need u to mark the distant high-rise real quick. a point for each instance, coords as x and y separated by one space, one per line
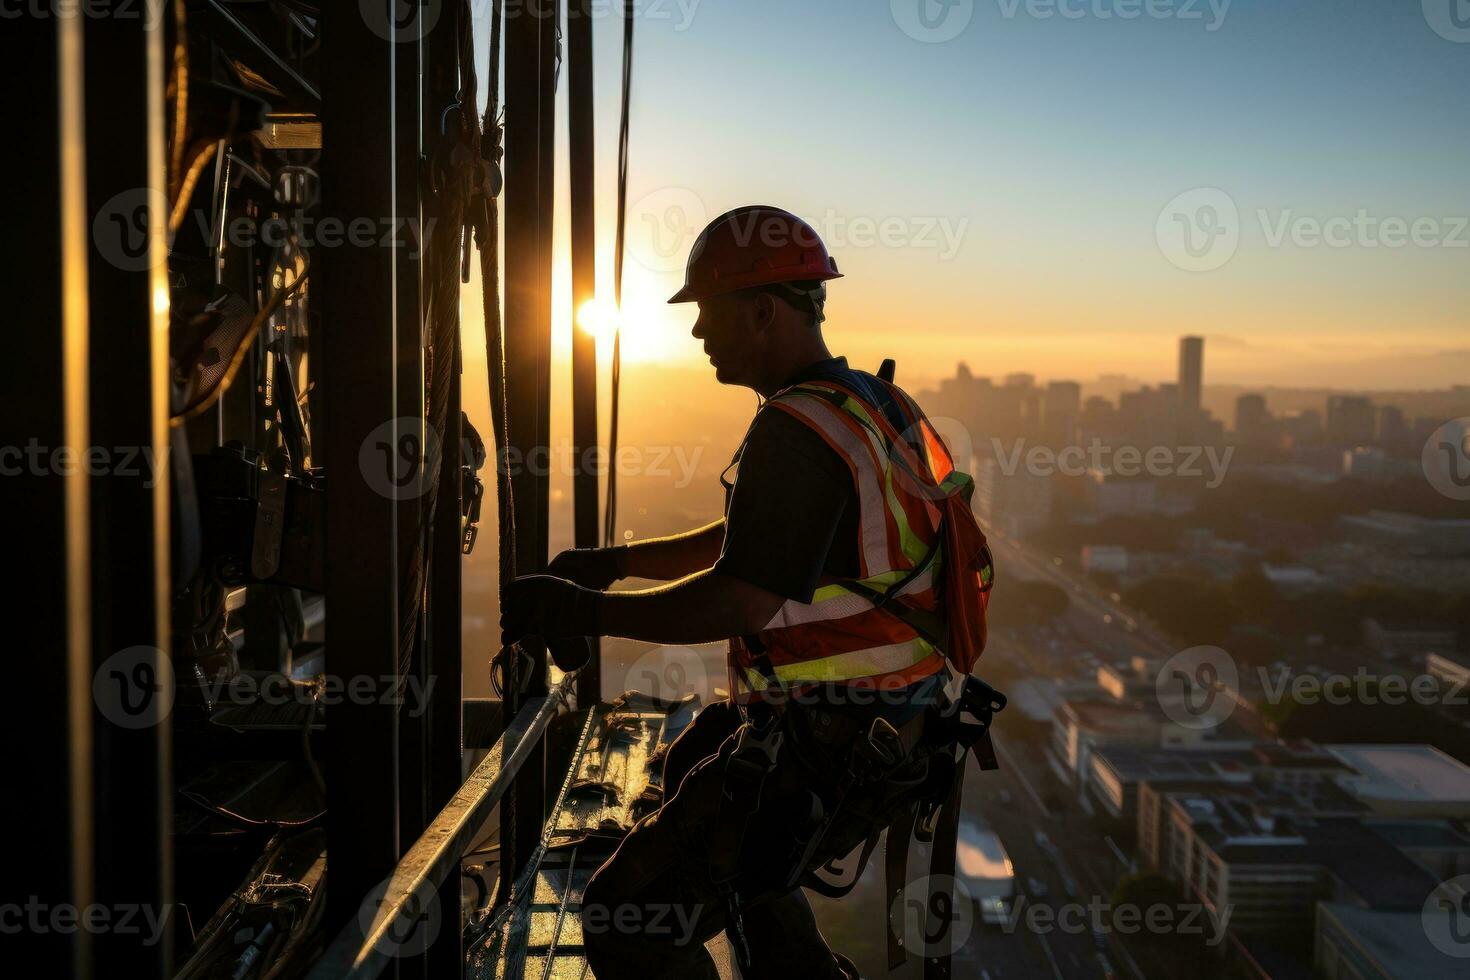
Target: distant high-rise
1191 373
1253 422
1393 430
1350 420
1020 380
1060 407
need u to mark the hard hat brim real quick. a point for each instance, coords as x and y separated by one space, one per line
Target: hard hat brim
692 294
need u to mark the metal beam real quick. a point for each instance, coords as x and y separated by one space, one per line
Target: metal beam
130 531
234 36
581 132
359 952
364 451
43 384
530 119
443 666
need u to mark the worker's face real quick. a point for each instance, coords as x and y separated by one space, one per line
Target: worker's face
735 332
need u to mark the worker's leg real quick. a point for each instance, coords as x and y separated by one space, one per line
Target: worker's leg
785 941
649 910
703 738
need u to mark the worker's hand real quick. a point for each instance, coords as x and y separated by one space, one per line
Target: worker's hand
591 568
549 607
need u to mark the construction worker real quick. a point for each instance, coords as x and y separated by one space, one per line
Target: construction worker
843 515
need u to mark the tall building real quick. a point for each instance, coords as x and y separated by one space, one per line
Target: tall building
1061 408
1191 373
1253 422
1393 430
1016 502
1351 420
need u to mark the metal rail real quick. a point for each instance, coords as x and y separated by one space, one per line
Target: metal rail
361 953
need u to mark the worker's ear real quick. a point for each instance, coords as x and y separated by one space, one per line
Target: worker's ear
765 310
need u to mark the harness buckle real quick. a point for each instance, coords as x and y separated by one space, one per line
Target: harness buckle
753 757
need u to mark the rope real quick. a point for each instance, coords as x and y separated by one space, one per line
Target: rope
609 518
488 238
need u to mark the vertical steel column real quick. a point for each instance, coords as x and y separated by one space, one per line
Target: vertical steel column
131 578
414 812
581 131
357 284
530 65
442 668
43 382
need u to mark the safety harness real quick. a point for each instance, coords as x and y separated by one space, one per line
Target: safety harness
922 787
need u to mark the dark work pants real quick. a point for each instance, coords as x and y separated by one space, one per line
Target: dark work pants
649 910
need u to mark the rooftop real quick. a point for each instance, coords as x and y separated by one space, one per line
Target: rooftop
1406 774
1394 941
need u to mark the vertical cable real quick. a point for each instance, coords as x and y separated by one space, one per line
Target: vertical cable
609 520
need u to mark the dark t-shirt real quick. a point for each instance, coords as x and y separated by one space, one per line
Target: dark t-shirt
793 512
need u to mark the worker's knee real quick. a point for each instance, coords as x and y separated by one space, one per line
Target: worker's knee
598 902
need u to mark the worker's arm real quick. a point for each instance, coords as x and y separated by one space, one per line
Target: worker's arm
661 559
703 607
673 557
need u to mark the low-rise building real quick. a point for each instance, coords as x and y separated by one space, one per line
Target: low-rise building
1406 780
1406 639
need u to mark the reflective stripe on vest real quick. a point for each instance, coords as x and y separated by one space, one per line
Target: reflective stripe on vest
841 636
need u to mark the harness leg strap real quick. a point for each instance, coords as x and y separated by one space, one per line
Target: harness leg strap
942 863
895 876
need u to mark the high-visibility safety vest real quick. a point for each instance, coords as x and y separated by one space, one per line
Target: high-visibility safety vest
925 567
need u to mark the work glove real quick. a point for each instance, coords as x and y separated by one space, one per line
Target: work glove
591 568
549 607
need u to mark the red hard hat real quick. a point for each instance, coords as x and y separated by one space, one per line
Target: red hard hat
754 246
